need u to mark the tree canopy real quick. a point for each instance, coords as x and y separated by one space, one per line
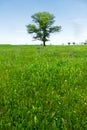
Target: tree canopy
43 26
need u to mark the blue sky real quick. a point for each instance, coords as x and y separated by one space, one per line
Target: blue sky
16 14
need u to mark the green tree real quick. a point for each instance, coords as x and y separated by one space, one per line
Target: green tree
73 43
85 43
43 26
69 43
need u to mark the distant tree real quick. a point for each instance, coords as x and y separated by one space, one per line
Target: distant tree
43 26
73 43
69 43
85 43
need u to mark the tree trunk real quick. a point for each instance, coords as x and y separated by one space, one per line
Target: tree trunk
44 43
44 36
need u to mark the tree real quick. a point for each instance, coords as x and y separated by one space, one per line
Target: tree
69 43
73 43
43 26
85 43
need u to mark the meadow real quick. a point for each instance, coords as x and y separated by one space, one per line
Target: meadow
43 88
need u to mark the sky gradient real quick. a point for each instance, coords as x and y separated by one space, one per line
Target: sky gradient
16 14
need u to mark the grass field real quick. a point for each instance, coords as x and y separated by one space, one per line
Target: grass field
43 88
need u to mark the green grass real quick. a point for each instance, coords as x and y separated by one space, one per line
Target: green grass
43 88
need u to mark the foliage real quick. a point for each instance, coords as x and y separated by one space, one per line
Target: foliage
69 43
73 43
43 27
43 88
85 43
